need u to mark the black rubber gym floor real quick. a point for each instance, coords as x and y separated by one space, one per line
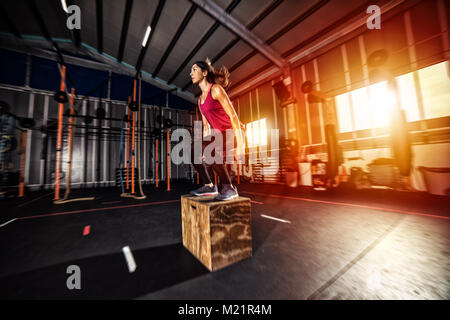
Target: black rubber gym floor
372 244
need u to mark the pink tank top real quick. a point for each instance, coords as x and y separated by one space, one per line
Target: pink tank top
215 114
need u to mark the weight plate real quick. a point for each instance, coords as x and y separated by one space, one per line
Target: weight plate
307 86
60 97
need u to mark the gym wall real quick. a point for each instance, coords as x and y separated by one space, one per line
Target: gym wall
27 84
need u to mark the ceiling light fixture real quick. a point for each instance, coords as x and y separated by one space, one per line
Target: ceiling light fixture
147 33
64 5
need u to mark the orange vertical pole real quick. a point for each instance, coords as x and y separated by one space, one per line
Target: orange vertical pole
128 146
23 146
133 143
59 136
69 163
196 118
156 163
168 160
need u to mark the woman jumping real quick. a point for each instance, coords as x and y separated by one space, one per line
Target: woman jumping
218 113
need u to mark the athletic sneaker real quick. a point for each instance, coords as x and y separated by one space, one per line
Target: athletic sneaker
205 191
228 192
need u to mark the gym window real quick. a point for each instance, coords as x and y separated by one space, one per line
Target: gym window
369 107
435 85
364 108
408 96
257 133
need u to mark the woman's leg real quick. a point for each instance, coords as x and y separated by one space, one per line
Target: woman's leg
200 166
206 188
222 171
228 191
203 173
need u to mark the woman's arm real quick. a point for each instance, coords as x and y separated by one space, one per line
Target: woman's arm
218 93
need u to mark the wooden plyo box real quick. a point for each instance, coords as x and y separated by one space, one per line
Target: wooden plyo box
218 233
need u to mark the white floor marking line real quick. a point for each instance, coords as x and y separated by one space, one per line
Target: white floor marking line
130 260
8 222
269 217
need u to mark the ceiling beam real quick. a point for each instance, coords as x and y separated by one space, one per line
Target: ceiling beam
153 24
283 31
229 22
205 38
99 14
250 26
125 24
180 30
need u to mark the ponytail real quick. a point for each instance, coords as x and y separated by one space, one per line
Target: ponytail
221 77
